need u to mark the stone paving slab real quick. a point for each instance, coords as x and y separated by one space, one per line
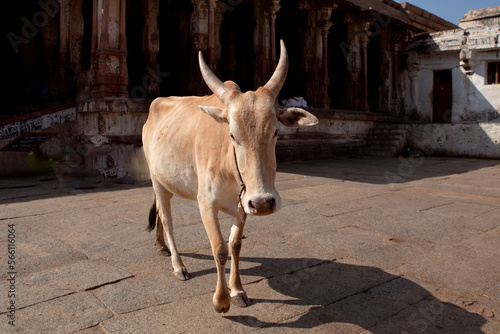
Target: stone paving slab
64 280
361 245
459 265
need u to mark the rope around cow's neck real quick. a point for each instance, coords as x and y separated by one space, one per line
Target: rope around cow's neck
241 210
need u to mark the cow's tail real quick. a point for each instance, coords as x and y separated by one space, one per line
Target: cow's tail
152 215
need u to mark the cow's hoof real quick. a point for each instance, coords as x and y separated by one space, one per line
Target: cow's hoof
163 251
241 299
223 305
181 274
221 310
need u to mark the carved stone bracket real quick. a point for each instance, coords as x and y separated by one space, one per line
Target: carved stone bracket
466 55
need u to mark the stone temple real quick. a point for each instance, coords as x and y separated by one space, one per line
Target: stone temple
385 78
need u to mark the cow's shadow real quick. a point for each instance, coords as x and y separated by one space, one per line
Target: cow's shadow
337 292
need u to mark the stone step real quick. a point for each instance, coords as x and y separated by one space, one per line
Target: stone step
385 141
307 150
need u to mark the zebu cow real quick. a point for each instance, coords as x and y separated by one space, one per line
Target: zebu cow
220 151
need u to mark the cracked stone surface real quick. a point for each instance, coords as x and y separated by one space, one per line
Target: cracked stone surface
347 253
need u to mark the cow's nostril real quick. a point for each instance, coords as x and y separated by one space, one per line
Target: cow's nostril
272 204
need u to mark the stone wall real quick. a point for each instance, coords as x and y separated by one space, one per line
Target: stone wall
480 140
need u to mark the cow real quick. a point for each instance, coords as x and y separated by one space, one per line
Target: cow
220 151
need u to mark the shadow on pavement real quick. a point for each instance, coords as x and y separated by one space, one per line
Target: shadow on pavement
386 170
342 293
26 189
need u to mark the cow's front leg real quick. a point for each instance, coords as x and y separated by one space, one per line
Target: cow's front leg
238 295
221 298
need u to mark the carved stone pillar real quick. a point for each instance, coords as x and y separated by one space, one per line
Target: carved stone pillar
275 7
212 4
265 40
199 42
354 70
363 101
413 64
109 49
316 56
395 106
357 64
152 45
64 44
325 79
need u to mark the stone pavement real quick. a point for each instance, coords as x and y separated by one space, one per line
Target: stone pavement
361 245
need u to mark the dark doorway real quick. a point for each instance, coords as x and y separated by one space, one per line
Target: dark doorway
442 97
493 73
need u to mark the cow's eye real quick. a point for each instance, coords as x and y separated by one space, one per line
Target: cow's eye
275 133
232 137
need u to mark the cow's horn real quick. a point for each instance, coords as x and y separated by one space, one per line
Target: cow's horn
278 79
215 85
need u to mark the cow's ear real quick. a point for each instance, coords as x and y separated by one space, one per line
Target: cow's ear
296 117
219 114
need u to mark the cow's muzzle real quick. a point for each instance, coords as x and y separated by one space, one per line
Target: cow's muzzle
261 206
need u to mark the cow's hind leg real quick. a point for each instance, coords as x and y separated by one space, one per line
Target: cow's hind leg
238 295
154 221
161 246
163 197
